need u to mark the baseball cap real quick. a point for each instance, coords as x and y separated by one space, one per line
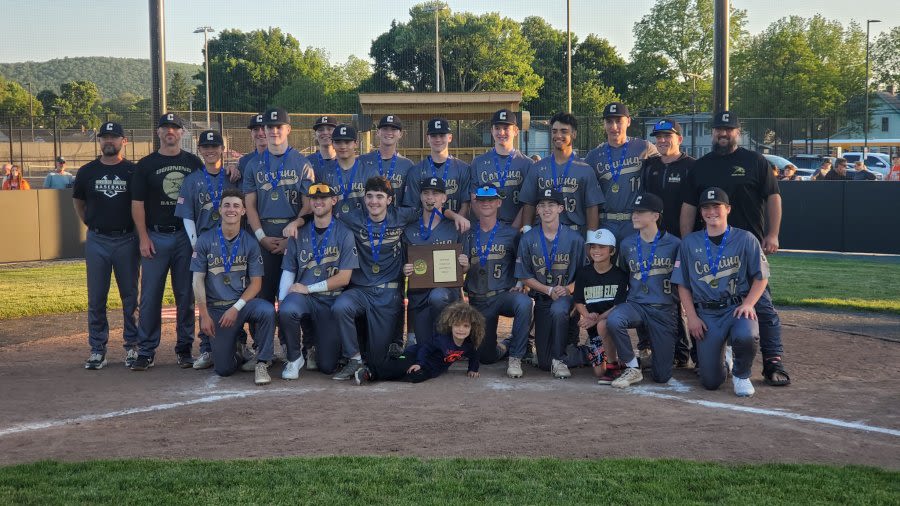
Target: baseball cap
714 195
255 121
324 121
276 116
614 109
487 192
503 117
551 195
390 120
210 138
726 119
438 126
170 118
111 128
433 183
320 190
602 236
60 160
343 132
648 202
666 126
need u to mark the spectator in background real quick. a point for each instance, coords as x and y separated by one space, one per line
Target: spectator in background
7 167
15 181
822 171
790 173
862 173
838 173
894 174
775 171
59 178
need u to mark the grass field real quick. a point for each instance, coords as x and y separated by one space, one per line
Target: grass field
852 284
371 480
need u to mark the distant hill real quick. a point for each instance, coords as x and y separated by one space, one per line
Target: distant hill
112 75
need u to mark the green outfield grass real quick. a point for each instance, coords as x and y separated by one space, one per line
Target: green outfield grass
394 481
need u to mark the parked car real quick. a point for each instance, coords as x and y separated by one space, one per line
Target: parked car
806 161
879 163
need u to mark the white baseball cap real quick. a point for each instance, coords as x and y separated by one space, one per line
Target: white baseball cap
601 236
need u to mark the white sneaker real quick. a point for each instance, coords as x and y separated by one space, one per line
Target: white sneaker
95 361
204 361
130 356
559 369
743 387
514 367
311 364
631 376
262 374
729 360
291 369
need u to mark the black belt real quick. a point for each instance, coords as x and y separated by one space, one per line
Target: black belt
111 232
721 304
166 229
484 296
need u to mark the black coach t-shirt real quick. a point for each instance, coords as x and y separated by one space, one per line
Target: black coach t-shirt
600 292
106 192
665 180
746 178
157 182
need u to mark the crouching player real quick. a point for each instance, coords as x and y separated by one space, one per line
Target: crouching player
228 269
721 274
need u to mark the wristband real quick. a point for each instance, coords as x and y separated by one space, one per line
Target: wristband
239 304
526 228
321 286
519 284
550 291
260 235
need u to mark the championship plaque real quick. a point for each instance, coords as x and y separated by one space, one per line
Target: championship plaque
435 265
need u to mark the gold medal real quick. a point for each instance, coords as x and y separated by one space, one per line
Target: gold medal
317 271
549 279
615 188
227 280
645 289
714 283
376 269
274 195
215 215
345 208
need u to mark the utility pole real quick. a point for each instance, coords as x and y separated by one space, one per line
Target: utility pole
205 30
866 117
720 55
157 64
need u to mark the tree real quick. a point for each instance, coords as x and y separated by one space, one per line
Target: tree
885 53
596 59
78 102
335 91
549 45
47 98
180 91
16 101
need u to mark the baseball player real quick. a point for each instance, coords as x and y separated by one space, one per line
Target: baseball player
164 245
258 138
386 160
617 163
347 175
504 167
721 273
325 154
648 257
566 174
491 285
549 256
228 268
439 163
431 228
316 268
102 200
756 206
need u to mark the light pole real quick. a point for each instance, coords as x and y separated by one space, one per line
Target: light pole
30 110
866 118
569 54
205 30
436 9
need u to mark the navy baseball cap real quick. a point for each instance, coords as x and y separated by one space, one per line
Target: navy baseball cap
111 128
726 119
714 195
391 120
551 195
210 138
615 109
343 132
170 118
324 121
433 183
60 159
666 126
255 121
438 126
487 192
648 202
276 116
503 117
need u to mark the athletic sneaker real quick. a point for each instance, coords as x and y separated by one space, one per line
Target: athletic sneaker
514 367
185 360
349 370
631 376
249 365
362 375
96 361
311 364
204 361
729 360
291 369
262 374
559 369
743 387
130 356
611 373
142 363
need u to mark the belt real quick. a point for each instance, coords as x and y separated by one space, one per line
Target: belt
387 285
111 232
721 304
487 295
166 229
276 221
222 303
616 216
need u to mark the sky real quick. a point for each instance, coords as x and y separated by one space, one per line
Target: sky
48 29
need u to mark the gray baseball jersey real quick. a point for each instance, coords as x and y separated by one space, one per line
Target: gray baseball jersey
196 201
396 169
742 261
499 270
210 258
619 172
384 238
569 256
658 287
348 184
337 251
455 173
442 233
578 186
508 173
296 176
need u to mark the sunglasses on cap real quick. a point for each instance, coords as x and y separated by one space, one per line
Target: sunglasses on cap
320 189
664 125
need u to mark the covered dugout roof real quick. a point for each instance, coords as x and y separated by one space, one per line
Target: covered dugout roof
454 106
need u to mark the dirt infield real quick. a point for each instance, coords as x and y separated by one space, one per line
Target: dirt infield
841 409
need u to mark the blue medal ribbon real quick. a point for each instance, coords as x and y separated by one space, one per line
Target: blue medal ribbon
319 248
425 232
548 260
215 197
613 170
434 168
345 191
643 264
376 249
390 173
556 184
714 264
228 261
504 174
268 173
485 251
